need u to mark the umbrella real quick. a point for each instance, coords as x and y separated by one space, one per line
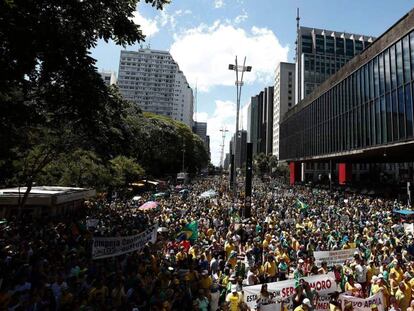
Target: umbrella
160 194
208 194
184 191
148 205
162 229
136 198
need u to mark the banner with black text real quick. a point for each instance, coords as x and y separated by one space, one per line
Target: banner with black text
103 247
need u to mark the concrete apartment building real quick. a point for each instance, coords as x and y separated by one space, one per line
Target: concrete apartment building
109 77
283 98
154 81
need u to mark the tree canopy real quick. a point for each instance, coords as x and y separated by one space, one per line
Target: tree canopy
55 106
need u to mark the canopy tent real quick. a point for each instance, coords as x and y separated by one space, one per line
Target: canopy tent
404 212
148 205
208 194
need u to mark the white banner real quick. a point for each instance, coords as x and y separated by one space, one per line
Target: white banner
91 223
334 257
324 284
409 228
361 304
115 246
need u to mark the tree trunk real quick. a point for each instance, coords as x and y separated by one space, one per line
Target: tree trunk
23 201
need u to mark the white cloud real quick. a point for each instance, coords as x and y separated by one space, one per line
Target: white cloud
201 116
218 4
149 27
224 116
170 19
241 18
204 52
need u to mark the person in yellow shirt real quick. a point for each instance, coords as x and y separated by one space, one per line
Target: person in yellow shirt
305 306
408 287
270 269
181 257
350 285
402 299
228 248
205 281
234 299
398 271
266 241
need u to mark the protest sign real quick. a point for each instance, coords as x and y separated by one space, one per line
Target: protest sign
323 284
409 228
103 247
363 304
91 223
333 257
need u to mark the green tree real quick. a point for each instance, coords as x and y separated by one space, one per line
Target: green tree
49 81
264 164
124 171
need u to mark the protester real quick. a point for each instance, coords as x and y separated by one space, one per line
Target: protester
206 256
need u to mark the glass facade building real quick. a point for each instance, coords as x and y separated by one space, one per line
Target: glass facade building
368 103
321 53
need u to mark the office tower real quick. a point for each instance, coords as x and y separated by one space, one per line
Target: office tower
283 98
320 53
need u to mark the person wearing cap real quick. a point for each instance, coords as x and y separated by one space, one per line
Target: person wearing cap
305 306
234 299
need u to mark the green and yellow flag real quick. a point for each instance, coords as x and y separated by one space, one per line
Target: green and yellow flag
190 231
302 206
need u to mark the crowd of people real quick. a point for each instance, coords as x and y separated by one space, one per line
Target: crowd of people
46 264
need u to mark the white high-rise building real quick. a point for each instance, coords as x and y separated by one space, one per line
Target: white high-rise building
109 77
154 81
283 98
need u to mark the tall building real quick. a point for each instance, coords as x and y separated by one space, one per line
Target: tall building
109 77
260 121
268 119
361 114
200 128
320 53
241 140
153 80
283 98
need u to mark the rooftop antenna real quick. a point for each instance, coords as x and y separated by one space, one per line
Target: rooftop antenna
149 45
223 131
297 33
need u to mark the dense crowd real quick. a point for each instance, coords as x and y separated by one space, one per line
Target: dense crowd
46 263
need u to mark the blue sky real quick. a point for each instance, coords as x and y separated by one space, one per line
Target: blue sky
204 36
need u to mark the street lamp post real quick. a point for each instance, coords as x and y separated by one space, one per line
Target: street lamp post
239 83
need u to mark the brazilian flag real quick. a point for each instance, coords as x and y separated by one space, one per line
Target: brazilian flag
302 206
190 231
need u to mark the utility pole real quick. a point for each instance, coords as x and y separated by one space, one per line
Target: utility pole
239 83
223 131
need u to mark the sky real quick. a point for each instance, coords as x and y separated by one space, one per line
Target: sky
204 36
